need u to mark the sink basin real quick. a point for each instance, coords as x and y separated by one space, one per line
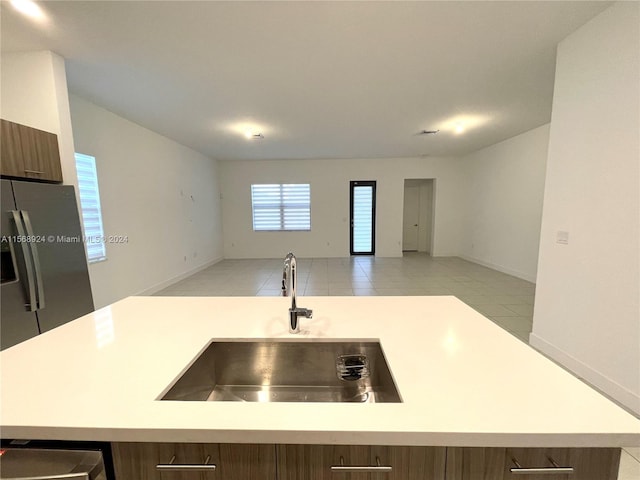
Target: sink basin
288 371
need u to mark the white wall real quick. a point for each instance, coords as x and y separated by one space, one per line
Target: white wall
505 188
28 90
329 179
587 310
162 195
34 93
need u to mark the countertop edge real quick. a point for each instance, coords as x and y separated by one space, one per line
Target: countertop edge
437 439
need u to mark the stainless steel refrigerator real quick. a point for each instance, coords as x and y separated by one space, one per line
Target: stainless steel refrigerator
45 280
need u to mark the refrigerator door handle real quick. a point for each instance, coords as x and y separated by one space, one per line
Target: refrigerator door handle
36 259
32 305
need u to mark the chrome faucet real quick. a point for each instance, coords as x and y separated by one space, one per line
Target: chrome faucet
289 285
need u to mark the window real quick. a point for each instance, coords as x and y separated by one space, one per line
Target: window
90 205
281 207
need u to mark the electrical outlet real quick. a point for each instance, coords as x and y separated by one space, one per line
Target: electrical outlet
562 237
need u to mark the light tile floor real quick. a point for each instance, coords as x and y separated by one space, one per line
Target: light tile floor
506 300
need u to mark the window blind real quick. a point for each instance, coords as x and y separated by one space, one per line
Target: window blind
281 206
90 205
362 218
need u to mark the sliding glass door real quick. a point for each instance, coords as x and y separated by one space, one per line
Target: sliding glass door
363 217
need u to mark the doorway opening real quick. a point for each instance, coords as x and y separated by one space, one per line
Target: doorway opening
417 215
362 212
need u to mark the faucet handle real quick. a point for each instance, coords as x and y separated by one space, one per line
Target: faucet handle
302 312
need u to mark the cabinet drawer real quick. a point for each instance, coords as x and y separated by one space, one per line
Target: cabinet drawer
586 463
357 462
193 461
532 463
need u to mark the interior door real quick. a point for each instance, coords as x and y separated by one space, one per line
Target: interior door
362 239
411 219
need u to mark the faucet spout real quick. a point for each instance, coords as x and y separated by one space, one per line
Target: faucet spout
289 287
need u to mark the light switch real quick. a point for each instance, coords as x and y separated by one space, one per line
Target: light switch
562 237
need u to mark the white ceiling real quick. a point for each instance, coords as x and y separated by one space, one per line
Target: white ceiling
321 79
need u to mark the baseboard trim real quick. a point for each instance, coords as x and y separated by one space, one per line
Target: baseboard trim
162 285
609 388
500 268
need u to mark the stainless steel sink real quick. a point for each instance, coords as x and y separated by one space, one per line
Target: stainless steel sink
288 371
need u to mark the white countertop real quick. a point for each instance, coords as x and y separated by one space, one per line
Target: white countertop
464 381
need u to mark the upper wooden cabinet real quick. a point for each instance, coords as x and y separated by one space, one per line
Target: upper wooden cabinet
29 153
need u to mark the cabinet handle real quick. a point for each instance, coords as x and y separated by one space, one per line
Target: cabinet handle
34 171
555 470
186 467
361 468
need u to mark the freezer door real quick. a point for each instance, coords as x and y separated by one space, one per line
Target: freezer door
63 273
17 323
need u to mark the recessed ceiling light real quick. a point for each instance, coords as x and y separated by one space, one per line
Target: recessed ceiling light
463 123
249 135
28 8
248 129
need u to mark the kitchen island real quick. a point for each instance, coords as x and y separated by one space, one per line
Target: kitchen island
463 381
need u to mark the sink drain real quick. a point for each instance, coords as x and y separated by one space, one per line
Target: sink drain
352 367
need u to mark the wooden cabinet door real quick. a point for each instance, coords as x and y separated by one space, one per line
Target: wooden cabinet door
587 463
139 461
314 462
41 154
11 159
410 463
475 463
497 463
29 153
246 462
